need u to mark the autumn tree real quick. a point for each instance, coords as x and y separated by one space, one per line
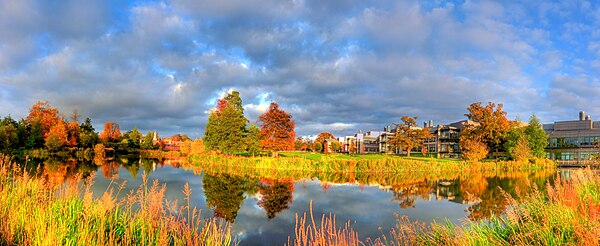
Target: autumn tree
226 126
489 127
473 149
111 133
56 138
45 115
73 132
324 135
408 135
277 129
336 146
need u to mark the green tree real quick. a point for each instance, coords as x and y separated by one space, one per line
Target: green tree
133 138
35 139
537 137
253 140
318 147
87 134
8 136
516 145
148 142
226 126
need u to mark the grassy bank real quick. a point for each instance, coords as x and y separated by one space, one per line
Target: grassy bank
34 212
568 213
363 163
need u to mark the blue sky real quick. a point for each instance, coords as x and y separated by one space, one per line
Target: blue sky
336 66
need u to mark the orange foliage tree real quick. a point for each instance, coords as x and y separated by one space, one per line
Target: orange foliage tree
490 128
324 135
277 129
111 132
45 114
56 137
73 133
408 135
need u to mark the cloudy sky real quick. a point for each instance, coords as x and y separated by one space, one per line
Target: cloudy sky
335 65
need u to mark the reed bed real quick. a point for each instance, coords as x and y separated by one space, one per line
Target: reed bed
36 212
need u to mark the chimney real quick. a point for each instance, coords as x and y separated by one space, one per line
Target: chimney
581 115
588 117
430 123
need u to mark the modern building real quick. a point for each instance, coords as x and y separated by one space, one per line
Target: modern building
573 142
444 143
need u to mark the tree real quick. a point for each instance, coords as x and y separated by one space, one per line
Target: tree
75 116
87 134
73 131
253 140
45 114
408 135
111 133
517 145
537 137
148 142
473 149
277 129
490 125
8 136
317 146
56 137
226 126
336 146
36 139
133 138
324 135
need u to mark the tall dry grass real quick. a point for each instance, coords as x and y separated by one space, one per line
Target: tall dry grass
35 212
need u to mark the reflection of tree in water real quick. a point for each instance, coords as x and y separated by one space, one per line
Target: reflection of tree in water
57 171
276 196
407 194
225 194
133 165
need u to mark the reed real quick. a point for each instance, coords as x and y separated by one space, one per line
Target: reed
35 212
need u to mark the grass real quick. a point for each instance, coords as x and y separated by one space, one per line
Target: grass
363 163
568 213
34 211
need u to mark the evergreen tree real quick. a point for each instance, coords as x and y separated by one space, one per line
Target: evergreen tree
537 137
226 126
148 141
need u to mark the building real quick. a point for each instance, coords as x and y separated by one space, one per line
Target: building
445 141
573 142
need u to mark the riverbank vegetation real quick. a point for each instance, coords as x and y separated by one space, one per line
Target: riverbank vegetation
33 211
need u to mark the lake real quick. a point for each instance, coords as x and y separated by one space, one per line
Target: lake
263 207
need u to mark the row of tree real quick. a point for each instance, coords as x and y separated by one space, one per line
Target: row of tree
46 127
228 130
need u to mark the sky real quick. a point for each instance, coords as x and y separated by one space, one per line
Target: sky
338 66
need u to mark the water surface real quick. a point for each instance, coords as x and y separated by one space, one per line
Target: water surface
263 209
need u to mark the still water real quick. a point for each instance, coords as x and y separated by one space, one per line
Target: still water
263 208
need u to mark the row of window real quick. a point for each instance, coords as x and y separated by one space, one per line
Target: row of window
572 142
